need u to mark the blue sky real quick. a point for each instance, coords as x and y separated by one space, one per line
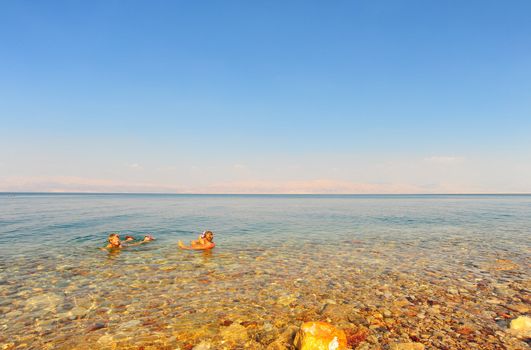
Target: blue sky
279 96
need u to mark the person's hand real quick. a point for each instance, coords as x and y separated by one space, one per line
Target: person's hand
148 238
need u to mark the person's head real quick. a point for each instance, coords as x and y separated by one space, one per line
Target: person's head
129 238
114 239
148 238
209 236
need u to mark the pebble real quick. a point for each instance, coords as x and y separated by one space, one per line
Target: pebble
268 326
505 265
453 290
235 333
285 300
47 301
335 312
204 345
407 346
78 311
96 326
130 324
107 341
521 308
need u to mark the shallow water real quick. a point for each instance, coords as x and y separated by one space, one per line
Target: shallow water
446 271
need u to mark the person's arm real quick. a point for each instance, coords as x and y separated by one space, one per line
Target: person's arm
146 239
205 246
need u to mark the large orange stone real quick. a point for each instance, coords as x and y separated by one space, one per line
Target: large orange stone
320 336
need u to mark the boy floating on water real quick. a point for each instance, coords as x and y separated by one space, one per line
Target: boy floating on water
203 242
116 243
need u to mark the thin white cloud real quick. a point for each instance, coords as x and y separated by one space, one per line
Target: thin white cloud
444 160
168 168
134 166
239 167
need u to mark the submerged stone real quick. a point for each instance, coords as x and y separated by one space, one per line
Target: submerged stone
335 313
505 265
521 327
96 326
320 336
106 342
407 346
130 324
285 300
48 301
204 345
522 308
78 311
235 333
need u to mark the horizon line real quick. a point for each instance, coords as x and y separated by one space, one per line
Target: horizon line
272 194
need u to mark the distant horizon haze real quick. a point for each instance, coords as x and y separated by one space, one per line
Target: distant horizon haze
274 194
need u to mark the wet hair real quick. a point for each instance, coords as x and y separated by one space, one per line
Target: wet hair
208 233
113 235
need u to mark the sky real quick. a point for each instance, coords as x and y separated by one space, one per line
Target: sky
265 96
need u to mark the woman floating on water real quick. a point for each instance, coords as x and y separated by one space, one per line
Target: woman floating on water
203 242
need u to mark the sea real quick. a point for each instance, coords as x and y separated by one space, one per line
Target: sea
392 268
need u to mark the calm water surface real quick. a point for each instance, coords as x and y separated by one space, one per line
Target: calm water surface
278 260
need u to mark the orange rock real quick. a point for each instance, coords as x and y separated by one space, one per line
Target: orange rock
411 313
354 338
320 336
465 330
504 315
401 303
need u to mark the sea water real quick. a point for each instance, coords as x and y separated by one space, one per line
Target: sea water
279 260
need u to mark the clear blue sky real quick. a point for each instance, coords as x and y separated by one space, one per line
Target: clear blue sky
273 96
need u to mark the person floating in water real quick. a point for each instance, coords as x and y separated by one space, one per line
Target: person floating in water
203 242
116 243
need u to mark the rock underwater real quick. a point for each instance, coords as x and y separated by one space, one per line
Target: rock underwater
320 336
521 327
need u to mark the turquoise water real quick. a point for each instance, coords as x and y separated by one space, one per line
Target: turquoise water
30 224
280 257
